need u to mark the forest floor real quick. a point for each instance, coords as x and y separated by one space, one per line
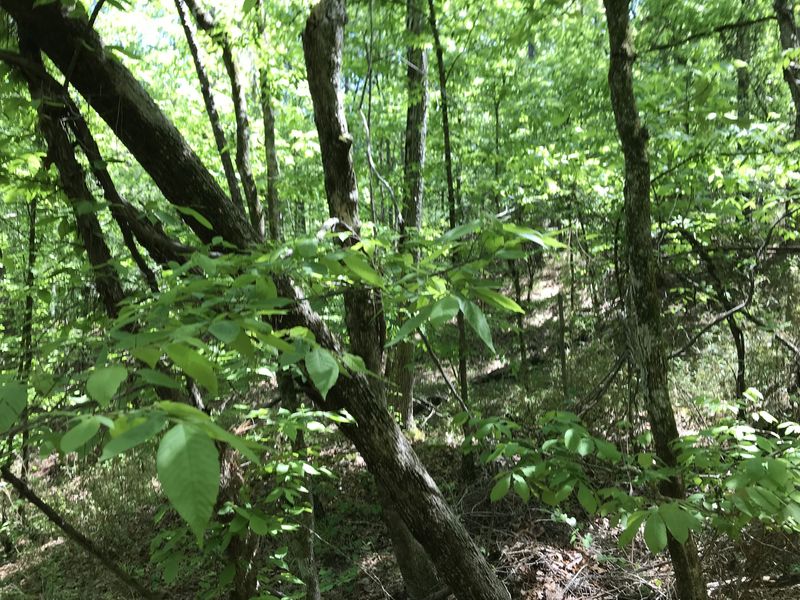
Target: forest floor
540 553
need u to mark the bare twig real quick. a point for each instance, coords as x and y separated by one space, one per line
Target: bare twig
438 364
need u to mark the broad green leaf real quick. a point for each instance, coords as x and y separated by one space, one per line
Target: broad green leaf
323 369
521 488
104 382
444 310
477 320
634 522
234 441
411 325
134 436
607 451
147 354
362 270
13 399
500 488
533 236
678 521
655 533
80 434
224 330
498 300
188 469
572 438
194 365
183 411
587 499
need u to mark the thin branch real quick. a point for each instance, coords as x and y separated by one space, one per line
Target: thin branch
76 536
707 33
439 367
374 169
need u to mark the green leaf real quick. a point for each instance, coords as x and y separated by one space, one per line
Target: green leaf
531 235
323 369
190 212
13 399
147 354
134 436
678 521
607 451
632 527
361 269
500 488
104 382
477 320
498 300
411 325
194 365
587 499
225 331
188 469
444 310
234 441
655 533
572 438
80 434
521 488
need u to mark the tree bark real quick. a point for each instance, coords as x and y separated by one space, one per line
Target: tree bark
414 186
53 125
207 23
26 355
211 108
274 216
644 306
784 10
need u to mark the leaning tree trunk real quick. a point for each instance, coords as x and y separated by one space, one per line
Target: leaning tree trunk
366 325
789 41
175 168
644 307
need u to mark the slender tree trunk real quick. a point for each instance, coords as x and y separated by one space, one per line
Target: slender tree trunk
644 308
413 190
274 215
211 108
784 10
26 355
467 464
218 31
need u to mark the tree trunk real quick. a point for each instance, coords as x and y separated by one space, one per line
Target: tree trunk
413 190
789 41
53 125
26 355
644 306
211 108
274 216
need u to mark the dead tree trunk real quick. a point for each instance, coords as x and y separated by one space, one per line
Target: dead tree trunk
644 305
